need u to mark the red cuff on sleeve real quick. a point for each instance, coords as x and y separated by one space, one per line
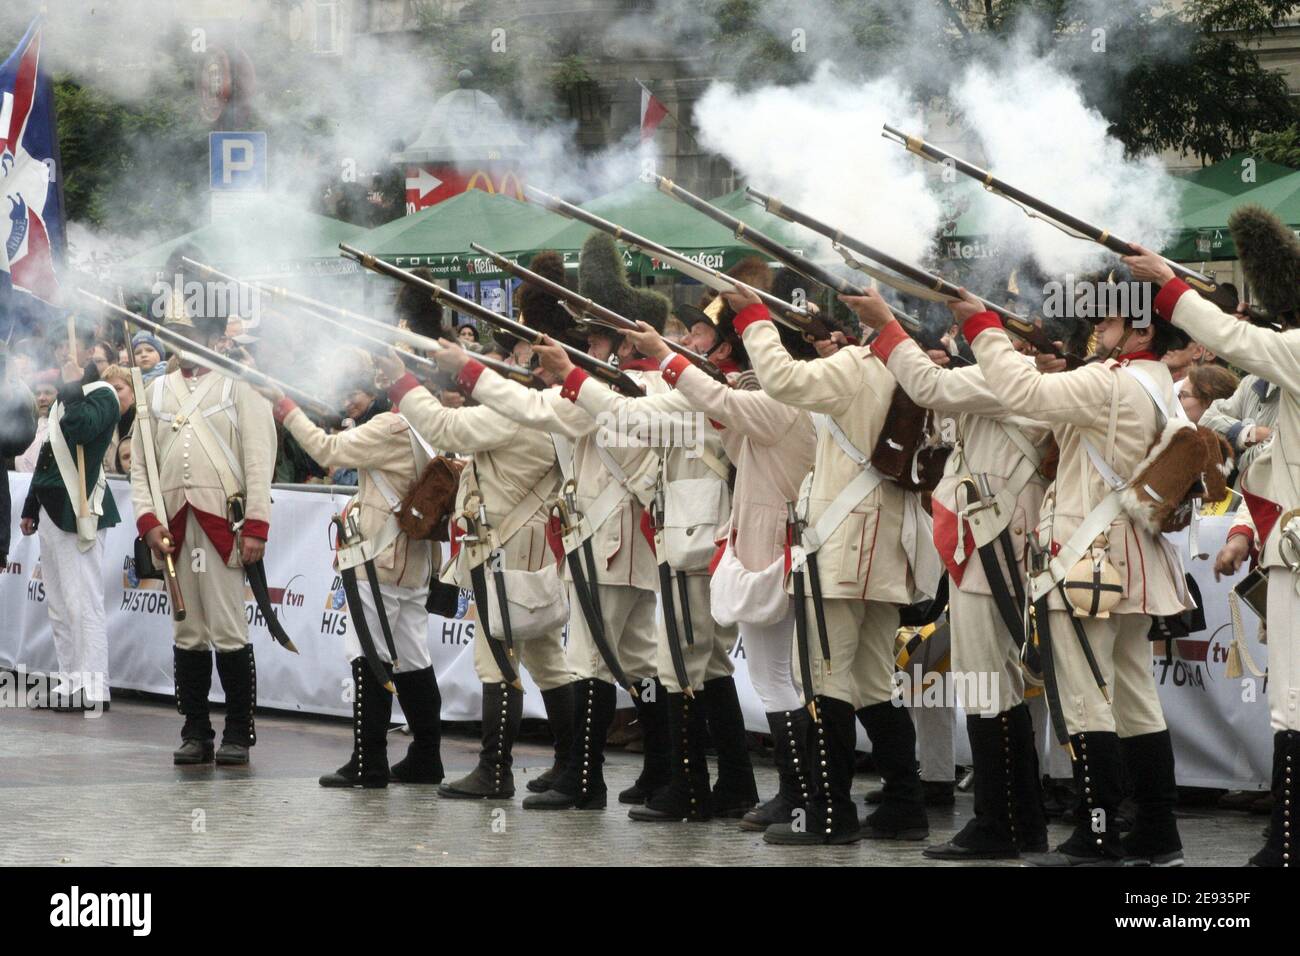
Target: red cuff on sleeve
887 339
978 322
146 523
282 408
397 391
673 370
1168 297
573 384
253 528
1245 529
468 376
748 316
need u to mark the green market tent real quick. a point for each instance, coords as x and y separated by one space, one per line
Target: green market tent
269 239
438 237
1205 237
1227 176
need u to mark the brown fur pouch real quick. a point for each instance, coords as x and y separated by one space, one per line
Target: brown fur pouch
1185 463
426 504
901 438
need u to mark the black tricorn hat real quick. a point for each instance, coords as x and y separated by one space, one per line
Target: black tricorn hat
1270 256
421 312
788 285
540 310
603 279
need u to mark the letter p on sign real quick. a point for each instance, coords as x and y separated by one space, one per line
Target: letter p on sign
237 161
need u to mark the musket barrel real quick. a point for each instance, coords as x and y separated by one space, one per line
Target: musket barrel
794 316
1104 237
603 370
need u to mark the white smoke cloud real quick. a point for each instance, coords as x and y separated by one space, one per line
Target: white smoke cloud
1037 133
817 146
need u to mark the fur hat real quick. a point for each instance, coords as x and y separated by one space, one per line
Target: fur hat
421 312
540 310
603 279
1270 256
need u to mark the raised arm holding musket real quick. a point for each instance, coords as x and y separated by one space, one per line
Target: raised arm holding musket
1101 567
1270 256
854 519
984 507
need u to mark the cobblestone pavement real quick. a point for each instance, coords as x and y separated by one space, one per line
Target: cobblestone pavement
104 792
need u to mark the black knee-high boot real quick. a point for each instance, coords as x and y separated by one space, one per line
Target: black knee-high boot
582 783
193 671
831 817
652 715
372 712
1280 848
686 796
901 814
1149 764
503 706
735 793
1097 775
238 673
417 692
991 833
558 702
790 754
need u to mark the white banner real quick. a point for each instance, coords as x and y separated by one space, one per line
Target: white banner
1220 727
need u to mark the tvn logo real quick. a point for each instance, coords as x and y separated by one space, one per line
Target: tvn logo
121 910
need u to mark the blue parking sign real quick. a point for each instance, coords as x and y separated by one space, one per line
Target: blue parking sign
237 161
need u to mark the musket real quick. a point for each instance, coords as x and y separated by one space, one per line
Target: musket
209 359
1033 205
787 257
909 278
611 375
144 421
596 313
314 308
797 318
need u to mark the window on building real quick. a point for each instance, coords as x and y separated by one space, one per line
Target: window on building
327 26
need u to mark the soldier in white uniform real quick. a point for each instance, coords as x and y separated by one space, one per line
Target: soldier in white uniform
215 449
995 451
1270 256
1108 408
625 571
389 459
866 573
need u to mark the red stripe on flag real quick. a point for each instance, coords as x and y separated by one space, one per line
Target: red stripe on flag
652 113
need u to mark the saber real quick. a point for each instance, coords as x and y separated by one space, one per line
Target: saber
314 308
563 509
793 316
598 315
909 278
349 536
1035 208
788 257
213 361
612 376
666 594
794 530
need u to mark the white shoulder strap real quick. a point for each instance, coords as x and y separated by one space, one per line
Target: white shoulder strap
850 496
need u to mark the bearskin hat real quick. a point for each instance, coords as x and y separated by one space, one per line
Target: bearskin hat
420 311
603 279
539 309
1270 257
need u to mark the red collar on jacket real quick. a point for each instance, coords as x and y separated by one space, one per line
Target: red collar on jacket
1143 356
195 371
